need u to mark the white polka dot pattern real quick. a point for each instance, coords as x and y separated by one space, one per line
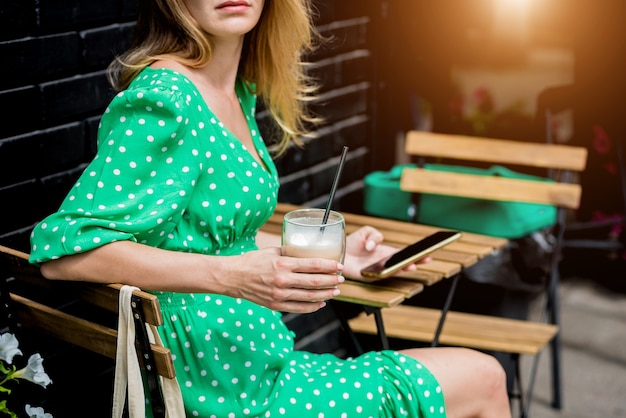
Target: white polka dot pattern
168 174
235 358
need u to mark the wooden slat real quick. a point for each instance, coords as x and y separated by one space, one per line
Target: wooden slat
490 187
149 302
494 242
408 288
498 151
70 327
381 294
464 259
461 329
80 332
363 294
103 296
446 269
427 278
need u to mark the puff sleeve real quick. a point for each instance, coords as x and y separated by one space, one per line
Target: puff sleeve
139 183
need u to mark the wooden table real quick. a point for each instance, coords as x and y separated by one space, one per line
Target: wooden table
446 263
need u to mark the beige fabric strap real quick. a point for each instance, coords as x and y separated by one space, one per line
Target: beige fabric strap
127 372
128 378
172 395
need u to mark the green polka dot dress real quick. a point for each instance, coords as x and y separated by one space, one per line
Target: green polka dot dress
168 174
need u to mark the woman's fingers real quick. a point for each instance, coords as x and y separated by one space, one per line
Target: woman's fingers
287 283
300 301
309 265
311 295
296 299
299 307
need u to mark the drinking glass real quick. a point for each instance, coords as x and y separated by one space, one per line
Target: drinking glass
304 235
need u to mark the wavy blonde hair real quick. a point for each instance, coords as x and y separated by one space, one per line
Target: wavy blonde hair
271 58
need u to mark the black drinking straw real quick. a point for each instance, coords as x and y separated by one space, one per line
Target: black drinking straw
334 186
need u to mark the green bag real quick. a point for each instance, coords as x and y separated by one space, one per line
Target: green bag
383 198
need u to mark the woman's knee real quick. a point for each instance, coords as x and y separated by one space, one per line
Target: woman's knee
491 371
457 364
474 383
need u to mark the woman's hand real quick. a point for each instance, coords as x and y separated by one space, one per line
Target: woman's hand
287 284
364 247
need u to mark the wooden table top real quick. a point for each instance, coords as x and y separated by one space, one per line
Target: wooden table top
445 263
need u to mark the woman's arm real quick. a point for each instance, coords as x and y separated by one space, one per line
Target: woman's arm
264 277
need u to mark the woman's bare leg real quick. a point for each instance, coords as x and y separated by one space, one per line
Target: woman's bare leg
473 383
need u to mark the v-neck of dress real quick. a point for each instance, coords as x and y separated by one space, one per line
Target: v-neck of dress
248 115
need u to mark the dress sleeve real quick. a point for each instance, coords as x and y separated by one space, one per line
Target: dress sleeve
139 183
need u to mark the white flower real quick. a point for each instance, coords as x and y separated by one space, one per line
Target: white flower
34 371
8 347
36 412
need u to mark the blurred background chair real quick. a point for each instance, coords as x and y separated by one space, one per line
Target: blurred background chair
483 177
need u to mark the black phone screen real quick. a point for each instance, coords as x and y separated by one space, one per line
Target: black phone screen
418 247
410 254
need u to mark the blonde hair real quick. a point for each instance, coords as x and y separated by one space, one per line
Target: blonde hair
271 57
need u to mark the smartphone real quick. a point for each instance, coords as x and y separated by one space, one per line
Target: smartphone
408 255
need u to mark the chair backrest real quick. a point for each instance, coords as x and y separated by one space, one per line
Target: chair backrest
563 159
76 312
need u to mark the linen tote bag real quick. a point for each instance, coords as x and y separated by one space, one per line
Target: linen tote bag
128 378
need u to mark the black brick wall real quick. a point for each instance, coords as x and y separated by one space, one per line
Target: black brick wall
345 67
53 89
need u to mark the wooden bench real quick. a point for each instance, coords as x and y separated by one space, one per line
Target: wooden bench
84 315
461 329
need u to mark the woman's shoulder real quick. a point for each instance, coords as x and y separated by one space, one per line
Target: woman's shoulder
167 91
161 79
158 87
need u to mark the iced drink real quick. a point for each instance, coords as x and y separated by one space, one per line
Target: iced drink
305 236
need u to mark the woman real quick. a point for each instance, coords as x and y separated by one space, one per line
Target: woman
173 202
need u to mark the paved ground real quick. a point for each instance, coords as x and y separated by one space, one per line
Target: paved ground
593 357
